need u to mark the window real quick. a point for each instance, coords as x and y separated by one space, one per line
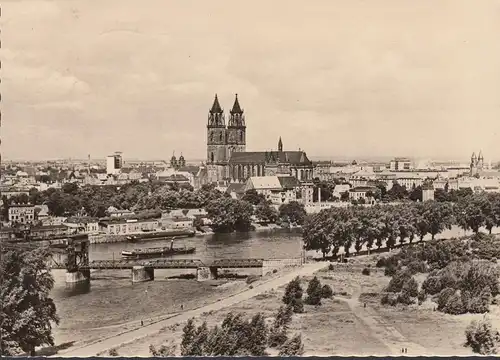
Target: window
220 137
212 157
241 136
211 136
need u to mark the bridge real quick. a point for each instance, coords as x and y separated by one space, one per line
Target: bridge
165 264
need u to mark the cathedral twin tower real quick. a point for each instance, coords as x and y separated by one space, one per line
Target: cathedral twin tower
223 140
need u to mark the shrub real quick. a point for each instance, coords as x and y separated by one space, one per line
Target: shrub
163 351
314 292
432 285
422 296
113 352
477 304
331 267
390 270
365 271
389 299
292 347
482 338
381 262
410 287
293 295
326 292
417 266
404 298
454 305
397 281
277 337
443 297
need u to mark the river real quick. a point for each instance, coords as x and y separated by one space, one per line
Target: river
112 299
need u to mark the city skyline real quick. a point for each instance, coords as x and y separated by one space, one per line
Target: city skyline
340 80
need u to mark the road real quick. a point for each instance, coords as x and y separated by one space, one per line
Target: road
382 330
151 330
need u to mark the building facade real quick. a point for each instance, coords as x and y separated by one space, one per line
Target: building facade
21 213
114 163
228 160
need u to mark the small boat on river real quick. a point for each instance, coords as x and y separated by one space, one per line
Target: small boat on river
157 252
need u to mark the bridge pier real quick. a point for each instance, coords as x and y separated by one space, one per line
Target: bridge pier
206 273
142 274
78 277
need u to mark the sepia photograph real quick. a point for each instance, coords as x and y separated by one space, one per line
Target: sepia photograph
249 178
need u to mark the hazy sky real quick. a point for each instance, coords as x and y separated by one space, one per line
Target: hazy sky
344 78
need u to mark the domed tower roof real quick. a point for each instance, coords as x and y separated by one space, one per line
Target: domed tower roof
473 157
480 157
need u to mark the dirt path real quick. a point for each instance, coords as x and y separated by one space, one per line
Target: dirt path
382 330
151 330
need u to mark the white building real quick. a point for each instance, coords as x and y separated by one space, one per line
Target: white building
21 213
114 163
399 163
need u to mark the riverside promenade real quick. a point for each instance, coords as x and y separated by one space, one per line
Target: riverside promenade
151 330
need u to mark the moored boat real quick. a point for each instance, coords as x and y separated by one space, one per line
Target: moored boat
157 252
161 234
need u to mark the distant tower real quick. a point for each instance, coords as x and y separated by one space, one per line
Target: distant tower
480 161
473 164
280 145
173 161
182 162
236 129
216 142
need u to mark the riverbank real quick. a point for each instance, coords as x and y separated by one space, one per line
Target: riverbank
247 291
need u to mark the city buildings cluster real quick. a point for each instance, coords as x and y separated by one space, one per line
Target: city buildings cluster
280 175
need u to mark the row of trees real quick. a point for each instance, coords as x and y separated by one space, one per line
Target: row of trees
226 214
332 229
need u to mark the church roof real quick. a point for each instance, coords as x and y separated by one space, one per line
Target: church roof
236 107
288 157
216 108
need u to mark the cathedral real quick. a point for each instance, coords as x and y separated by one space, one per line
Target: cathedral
476 163
228 160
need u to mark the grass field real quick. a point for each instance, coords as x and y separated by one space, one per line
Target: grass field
344 326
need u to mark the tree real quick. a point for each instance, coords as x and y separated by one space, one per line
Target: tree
292 347
293 212
314 292
438 216
293 295
482 337
266 213
326 291
188 335
28 310
253 197
162 351
229 214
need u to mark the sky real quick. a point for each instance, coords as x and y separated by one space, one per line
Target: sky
341 78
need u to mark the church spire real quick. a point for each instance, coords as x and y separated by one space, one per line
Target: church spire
236 106
236 119
216 114
216 108
280 145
